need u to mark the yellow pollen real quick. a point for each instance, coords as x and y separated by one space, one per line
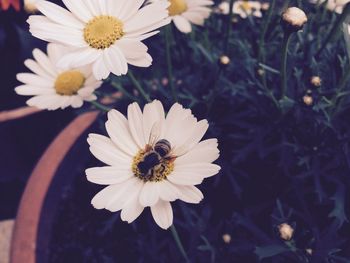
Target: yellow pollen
69 82
103 31
158 173
177 7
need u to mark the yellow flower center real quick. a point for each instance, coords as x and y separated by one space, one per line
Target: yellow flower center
103 31
69 82
245 6
154 173
177 7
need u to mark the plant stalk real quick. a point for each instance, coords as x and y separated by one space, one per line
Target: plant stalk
100 106
333 34
138 86
168 34
285 46
179 243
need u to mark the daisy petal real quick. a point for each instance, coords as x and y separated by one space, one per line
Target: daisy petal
108 175
162 214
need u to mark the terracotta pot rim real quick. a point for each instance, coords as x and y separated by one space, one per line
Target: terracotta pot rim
25 235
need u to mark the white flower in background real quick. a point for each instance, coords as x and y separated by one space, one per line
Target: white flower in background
151 160
333 5
242 8
53 87
106 33
186 12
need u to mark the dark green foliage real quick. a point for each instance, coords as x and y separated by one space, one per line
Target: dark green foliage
283 161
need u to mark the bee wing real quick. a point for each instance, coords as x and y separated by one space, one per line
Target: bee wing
179 150
155 133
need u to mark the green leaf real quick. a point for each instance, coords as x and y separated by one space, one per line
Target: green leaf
270 251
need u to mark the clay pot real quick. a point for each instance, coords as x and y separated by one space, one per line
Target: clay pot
30 237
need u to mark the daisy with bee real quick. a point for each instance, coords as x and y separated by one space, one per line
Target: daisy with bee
152 159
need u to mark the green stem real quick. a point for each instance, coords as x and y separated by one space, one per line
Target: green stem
262 49
334 33
285 45
228 26
169 62
138 86
179 243
100 106
121 89
338 94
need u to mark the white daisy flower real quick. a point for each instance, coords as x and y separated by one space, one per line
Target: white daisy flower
151 160
186 12
242 8
333 5
53 87
106 33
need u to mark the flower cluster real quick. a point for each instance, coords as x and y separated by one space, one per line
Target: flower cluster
153 158
152 151
102 37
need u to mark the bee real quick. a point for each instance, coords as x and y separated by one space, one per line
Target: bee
154 157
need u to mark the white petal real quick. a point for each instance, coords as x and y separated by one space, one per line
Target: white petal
182 24
196 135
35 80
78 8
100 70
27 90
118 130
115 61
204 152
190 194
44 62
135 124
203 169
58 14
163 214
168 191
106 151
108 175
185 178
126 193
79 58
132 210
153 113
149 195
37 69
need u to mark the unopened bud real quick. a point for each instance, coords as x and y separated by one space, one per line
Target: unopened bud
316 81
226 238
308 100
286 231
294 19
224 60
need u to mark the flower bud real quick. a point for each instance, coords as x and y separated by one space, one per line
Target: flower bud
316 81
294 19
286 231
224 60
308 100
226 238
